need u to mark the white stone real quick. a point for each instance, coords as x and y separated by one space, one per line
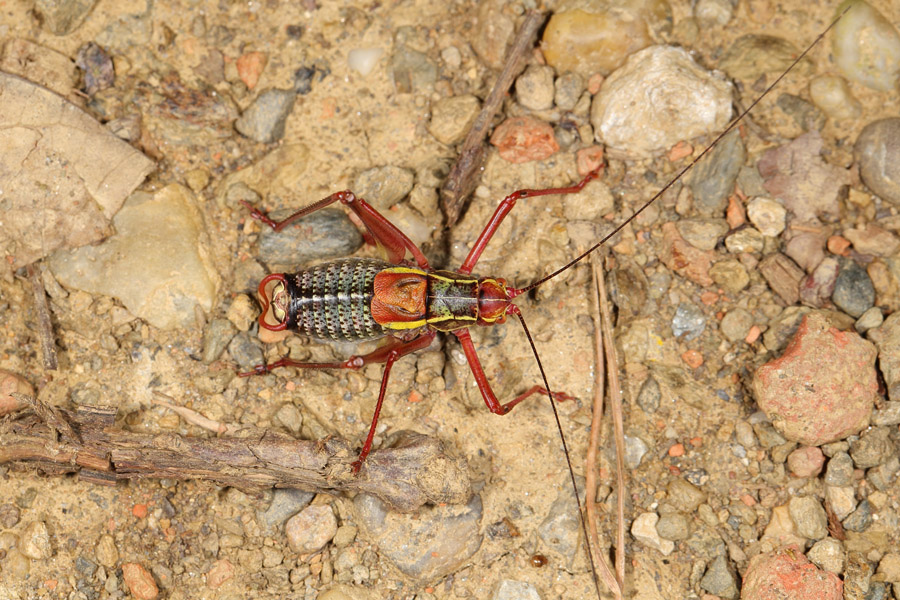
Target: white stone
866 48
643 529
767 215
827 554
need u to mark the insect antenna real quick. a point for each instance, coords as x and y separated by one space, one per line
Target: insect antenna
562 438
690 165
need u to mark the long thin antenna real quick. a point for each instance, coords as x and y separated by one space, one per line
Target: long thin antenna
690 165
562 437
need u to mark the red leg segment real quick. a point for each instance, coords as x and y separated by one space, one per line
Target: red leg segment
503 209
387 353
465 339
379 228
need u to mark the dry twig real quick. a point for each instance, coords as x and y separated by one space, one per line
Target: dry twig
45 327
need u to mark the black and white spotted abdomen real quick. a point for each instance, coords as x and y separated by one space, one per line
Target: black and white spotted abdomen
332 301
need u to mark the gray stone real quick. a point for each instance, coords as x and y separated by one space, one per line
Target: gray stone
673 526
383 187
870 319
412 71
509 589
649 396
860 519
264 119
839 470
719 579
712 180
704 234
805 114
216 338
688 322
736 324
877 150
888 414
284 504
326 233
569 87
685 496
635 449
534 87
809 517
561 528
245 351
874 447
854 292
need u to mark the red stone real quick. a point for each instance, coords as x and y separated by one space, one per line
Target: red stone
787 573
524 139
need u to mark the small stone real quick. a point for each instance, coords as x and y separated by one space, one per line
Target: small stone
827 554
704 234
326 233
877 151
783 276
860 519
139 581
635 449
85 567
451 118
569 87
643 529
285 503
16 566
246 352
839 470
272 557
493 31
218 334
767 215
524 139
361 60
345 535
888 414
809 517
509 589
242 312
263 121
853 290
309 530
874 447
857 576
839 404
106 552
413 72
290 416
220 572
787 573
807 248
746 240
712 180
683 258
866 48
731 275
534 87
688 101
873 240
684 496
383 187
688 322
833 96
35 541
719 579
673 526
816 289
889 567
649 396
887 338
12 383
63 17
560 529
736 324
593 202
806 461
9 516
197 179
804 113
250 66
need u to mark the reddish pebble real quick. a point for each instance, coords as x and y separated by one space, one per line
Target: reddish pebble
696 442
676 450
736 215
838 245
139 581
806 461
679 151
787 573
524 139
748 500
594 83
10 384
683 258
692 358
415 396
249 67
219 573
753 334
709 298
139 510
589 159
823 388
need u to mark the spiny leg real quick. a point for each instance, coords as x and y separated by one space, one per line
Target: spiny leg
507 205
378 228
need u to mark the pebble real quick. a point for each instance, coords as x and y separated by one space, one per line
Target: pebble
860 519
289 416
534 87
649 396
866 48
451 118
828 555
841 500
412 71
889 567
590 204
712 181
874 447
719 579
805 114
567 90
806 461
809 517
326 233
218 334
816 289
702 233
783 276
9 516
85 567
493 32
643 529
887 338
767 215
221 571
97 68
857 576
242 312
683 258
882 476
689 101
245 351
263 121
736 324
877 151
309 530
751 56
139 581
524 139
688 322
593 39
797 175
807 248
635 449
711 13
745 241
873 240
12 383
106 552
345 535
840 402
685 496
510 589
787 573
833 97
674 526
854 292
16 566
172 257
35 541
62 18
839 470
364 60
731 275
250 66
888 414
561 527
383 187
425 545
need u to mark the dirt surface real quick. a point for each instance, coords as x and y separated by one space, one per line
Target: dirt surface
348 123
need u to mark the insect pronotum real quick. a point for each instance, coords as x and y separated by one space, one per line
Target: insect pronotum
408 302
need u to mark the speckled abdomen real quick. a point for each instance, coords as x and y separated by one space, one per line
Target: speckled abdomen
332 301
